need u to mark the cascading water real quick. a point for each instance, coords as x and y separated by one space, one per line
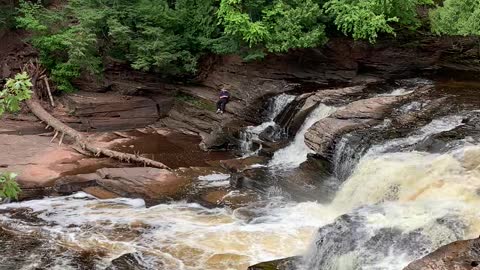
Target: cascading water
350 148
436 126
296 153
400 207
408 86
251 133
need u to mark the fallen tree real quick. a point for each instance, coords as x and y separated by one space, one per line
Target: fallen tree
79 138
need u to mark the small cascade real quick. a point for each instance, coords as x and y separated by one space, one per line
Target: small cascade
352 147
296 153
346 156
251 133
435 127
406 87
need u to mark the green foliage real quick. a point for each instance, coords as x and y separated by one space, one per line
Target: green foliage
150 34
364 19
67 45
15 91
170 36
457 18
9 188
274 26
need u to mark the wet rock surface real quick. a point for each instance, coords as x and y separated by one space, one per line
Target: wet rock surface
36 159
171 147
148 183
30 250
461 255
282 264
105 111
356 115
132 261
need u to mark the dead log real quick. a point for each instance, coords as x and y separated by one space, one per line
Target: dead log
79 138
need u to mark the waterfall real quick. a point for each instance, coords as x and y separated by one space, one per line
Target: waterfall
394 208
251 133
352 147
399 207
296 153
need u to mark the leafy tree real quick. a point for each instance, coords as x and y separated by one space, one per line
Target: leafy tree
159 35
273 26
9 188
364 19
15 91
457 18
67 46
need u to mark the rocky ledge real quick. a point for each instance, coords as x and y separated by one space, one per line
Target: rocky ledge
461 255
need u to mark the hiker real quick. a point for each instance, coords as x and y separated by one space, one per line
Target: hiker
223 99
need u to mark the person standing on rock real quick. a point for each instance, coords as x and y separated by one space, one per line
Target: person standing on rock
223 99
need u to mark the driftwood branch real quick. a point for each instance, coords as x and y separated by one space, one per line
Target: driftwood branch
59 127
45 79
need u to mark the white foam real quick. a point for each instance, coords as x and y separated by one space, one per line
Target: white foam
251 133
214 180
296 153
434 127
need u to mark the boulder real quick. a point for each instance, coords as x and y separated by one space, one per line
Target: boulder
333 97
100 193
372 108
75 183
461 255
215 140
37 161
356 115
150 184
104 111
282 264
226 197
239 165
134 261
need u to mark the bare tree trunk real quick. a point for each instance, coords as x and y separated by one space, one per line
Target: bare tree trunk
43 115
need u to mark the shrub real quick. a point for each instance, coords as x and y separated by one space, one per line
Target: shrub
9 188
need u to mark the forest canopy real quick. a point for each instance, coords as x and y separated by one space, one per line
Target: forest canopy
170 36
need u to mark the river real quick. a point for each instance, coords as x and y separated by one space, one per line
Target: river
396 204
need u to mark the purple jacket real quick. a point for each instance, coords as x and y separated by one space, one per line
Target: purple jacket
224 94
